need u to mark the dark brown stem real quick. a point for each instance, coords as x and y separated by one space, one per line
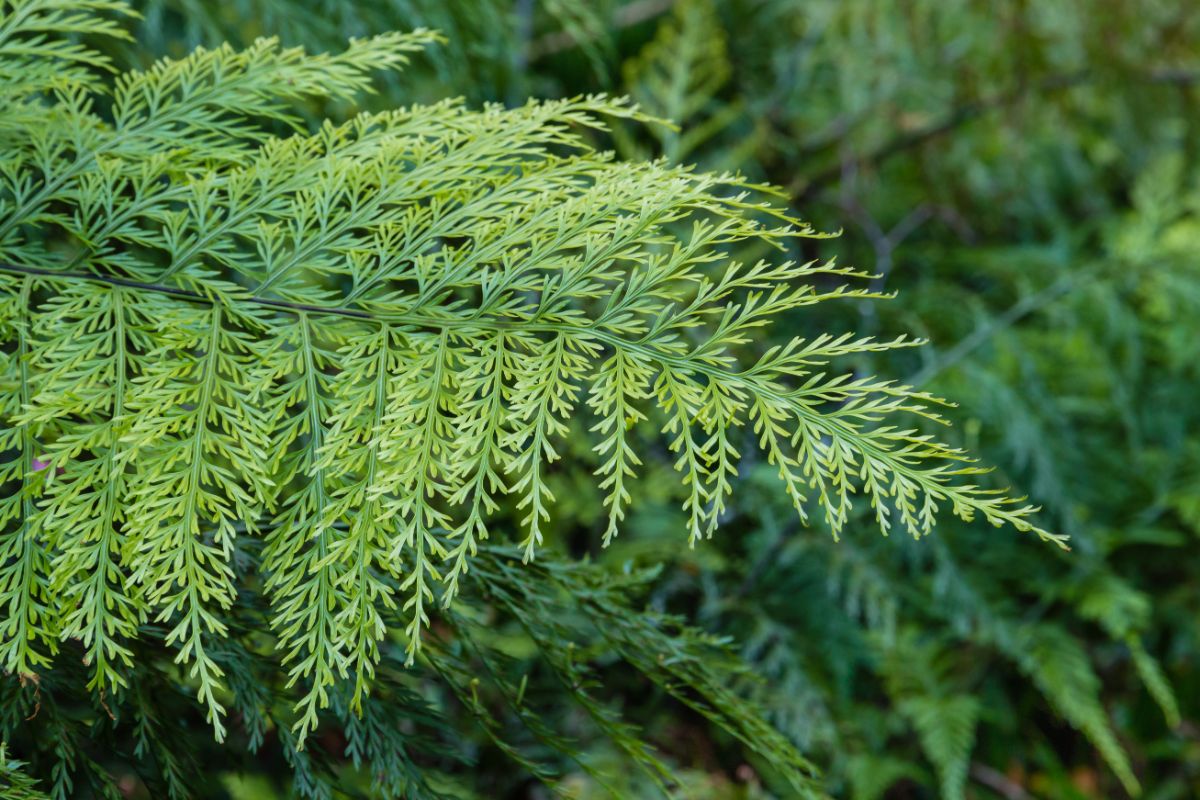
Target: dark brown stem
112 280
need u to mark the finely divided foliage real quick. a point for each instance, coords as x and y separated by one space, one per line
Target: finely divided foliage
357 345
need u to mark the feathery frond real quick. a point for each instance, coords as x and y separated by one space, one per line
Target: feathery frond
359 344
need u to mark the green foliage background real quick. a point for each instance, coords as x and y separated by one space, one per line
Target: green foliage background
1024 176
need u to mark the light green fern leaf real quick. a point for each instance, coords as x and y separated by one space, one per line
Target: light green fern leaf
360 344
15 783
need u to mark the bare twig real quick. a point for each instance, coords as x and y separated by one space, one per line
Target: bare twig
999 783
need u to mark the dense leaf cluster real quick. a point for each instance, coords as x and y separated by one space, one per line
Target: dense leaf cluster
269 383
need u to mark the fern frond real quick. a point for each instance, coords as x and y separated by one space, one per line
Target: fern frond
28 632
15 783
1060 668
944 720
86 495
368 341
682 661
678 77
214 101
37 53
304 582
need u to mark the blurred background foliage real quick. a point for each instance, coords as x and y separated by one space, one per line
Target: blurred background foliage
1024 176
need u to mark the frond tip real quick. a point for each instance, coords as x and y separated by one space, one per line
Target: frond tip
366 343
